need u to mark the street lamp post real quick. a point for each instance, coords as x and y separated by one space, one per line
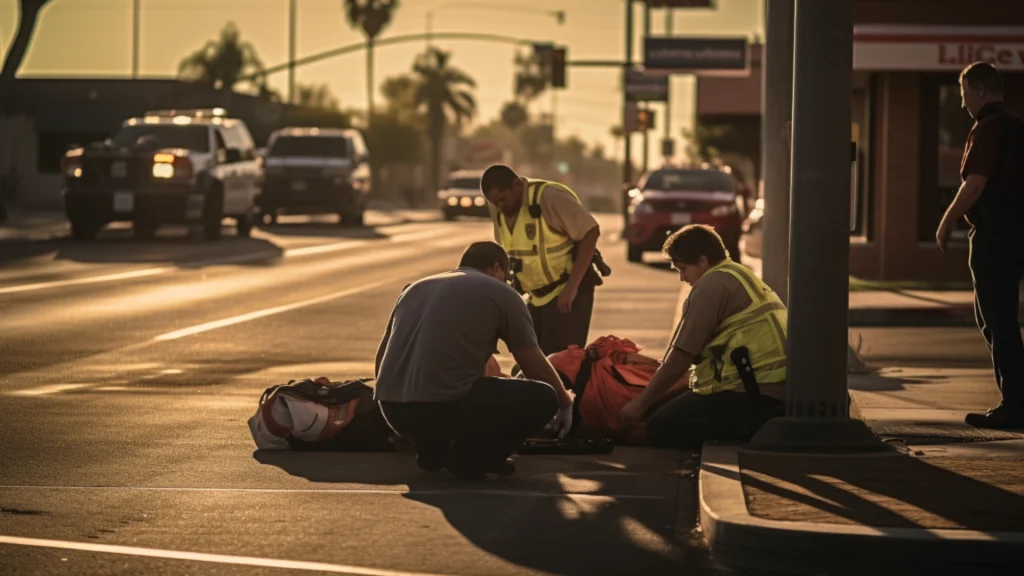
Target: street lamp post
777 104
135 39
817 400
647 32
558 15
292 16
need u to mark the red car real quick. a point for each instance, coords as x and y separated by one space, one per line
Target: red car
668 199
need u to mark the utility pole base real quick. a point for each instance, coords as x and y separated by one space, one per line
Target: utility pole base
820 435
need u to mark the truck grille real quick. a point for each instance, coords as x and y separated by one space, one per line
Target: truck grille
113 172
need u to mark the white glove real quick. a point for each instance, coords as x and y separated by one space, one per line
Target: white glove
562 421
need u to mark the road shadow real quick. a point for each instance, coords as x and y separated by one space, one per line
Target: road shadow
885 491
170 246
574 515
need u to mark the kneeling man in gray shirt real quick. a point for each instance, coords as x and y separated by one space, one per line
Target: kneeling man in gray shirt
430 369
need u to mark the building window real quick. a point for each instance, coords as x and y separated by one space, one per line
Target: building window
944 129
861 113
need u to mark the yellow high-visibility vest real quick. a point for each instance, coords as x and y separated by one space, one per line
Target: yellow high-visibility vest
546 255
761 327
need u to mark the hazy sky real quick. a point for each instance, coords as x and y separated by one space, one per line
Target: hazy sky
93 38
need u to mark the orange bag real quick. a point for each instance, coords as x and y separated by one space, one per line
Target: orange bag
605 376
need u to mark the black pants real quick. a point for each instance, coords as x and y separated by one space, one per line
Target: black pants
557 331
486 426
688 420
997 265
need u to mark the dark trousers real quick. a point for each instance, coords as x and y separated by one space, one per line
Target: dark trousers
557 331
688 420
997 265
485 426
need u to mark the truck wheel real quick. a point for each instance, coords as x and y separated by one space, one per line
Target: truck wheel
351 218
635 254
83 231
244 225
213 214
143 230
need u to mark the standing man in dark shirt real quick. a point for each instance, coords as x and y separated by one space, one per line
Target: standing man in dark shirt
992 199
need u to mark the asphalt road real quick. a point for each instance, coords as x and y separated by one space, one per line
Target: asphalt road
128 371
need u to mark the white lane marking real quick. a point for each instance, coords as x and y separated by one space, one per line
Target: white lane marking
206 327
204 557
290 253
89 280
373 491
44 390
324 248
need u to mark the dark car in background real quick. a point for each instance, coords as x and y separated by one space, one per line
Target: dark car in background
670 198
461 195
315 171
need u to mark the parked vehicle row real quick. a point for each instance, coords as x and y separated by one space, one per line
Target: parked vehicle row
197 167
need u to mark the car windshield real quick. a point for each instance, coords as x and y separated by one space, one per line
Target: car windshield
313 146
189 137
690 180
464 183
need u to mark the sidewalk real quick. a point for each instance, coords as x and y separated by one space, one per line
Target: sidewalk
946 494
905 307
24 224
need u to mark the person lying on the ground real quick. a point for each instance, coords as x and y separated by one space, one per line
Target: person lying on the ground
432 361
731 321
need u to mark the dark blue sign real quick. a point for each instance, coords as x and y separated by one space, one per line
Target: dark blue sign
674 54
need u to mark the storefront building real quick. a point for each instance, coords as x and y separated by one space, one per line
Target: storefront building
910 129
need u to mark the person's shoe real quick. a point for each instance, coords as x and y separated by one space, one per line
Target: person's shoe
505 468
465 469
998 418
462 468
429 464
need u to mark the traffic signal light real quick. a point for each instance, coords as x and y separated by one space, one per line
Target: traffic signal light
645 119
558 68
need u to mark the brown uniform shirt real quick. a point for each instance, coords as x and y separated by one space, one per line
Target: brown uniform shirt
995 149
712 299
560 209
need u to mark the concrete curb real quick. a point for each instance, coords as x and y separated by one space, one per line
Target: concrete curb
743 541
951 316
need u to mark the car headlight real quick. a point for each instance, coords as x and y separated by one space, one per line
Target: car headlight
479 201
453 201
641 208
723 210
466 202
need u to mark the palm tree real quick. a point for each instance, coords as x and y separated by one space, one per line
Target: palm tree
29 15
318 97
372 16
444 94
224 62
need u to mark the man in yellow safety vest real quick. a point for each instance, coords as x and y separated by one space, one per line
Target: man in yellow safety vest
732 339
552 242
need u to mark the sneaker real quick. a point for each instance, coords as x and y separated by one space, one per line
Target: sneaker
463 468
998 418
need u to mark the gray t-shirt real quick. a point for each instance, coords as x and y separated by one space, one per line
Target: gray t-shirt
444 328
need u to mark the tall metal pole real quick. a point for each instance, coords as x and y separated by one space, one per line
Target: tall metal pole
291 51
776 106
669 17
647 32
627 162
135 40
817 401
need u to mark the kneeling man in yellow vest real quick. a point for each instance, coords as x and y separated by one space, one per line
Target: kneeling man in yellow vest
732 339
